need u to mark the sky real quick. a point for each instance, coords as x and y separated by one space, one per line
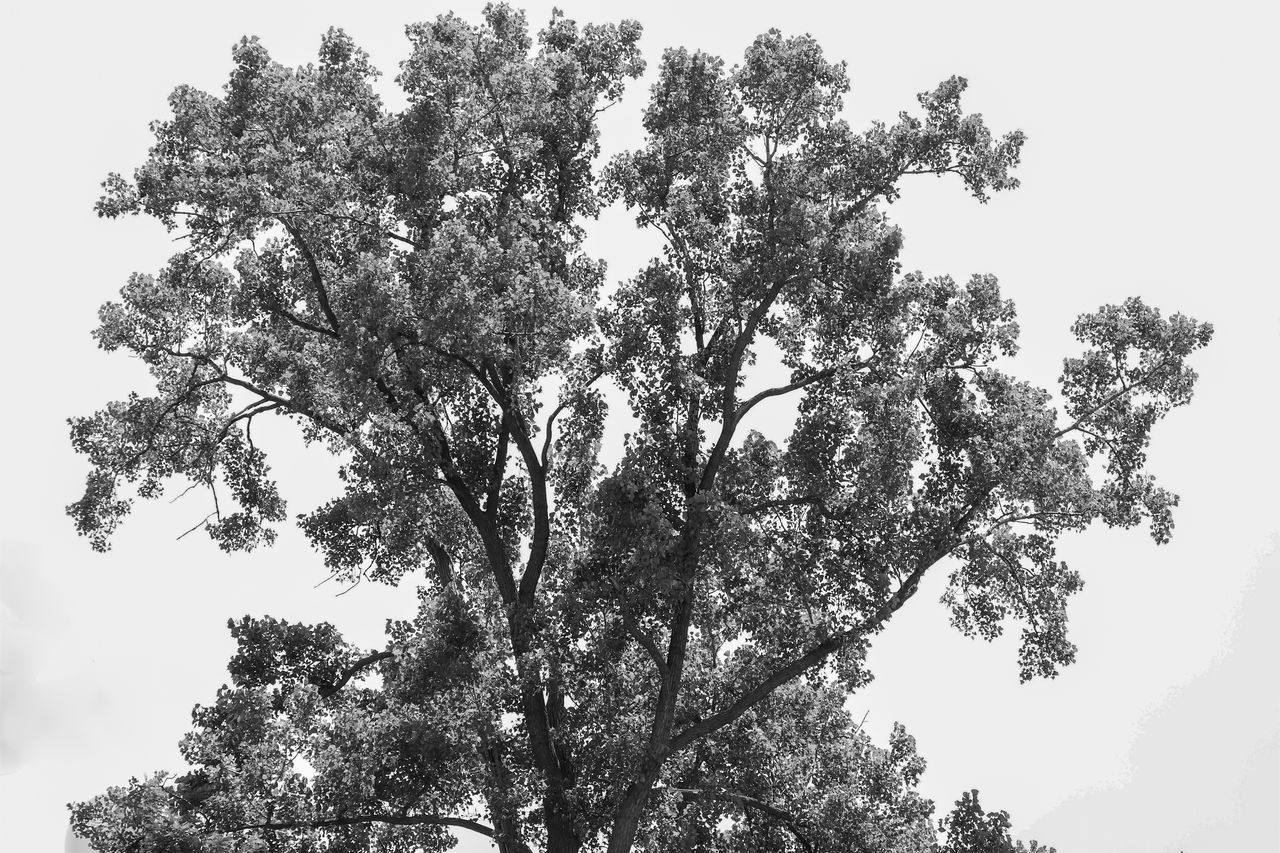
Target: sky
1149 170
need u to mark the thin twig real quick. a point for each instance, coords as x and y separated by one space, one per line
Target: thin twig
196 527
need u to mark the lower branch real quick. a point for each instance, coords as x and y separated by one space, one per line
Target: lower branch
357 820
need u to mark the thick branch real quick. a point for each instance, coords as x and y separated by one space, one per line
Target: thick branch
316 278
541 509
499 470
357 820
532 700
728 409
441 560
484 525
354 670
814 657
818 376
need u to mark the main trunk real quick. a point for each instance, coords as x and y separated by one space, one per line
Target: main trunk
560 835
627 821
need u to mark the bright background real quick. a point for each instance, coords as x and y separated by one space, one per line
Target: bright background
1150 169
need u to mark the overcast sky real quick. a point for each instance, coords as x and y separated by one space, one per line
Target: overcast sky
1150 170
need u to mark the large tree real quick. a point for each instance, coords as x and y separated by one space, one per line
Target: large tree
651 653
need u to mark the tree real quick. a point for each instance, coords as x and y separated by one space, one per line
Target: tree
650 654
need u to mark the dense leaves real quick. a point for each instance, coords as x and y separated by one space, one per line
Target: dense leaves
649 652
971 830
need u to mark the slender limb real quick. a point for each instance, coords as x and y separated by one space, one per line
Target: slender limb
1015 574
646 642
556 412
328 214
195 527
546 441
777 503
250 411
1124 390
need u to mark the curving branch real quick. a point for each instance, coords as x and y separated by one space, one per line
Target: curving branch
816 376
749 404
646 642
341 430
557 411
787 819
728 410
316 278
352 671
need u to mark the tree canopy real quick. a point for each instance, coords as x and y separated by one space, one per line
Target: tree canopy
643 653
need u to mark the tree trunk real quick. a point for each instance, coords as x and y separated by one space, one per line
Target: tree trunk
560 835
627 820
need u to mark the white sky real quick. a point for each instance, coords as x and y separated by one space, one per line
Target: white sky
1150 170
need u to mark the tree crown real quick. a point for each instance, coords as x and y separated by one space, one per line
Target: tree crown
652 650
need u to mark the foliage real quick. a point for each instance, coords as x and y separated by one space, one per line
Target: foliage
970 830
651 654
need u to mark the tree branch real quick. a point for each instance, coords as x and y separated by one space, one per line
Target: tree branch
1124 390
328 214
646 642
541 510
494 492
354 670
316 278
555 413
730 421
815 656
775 503
816 376
357 820
787 818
